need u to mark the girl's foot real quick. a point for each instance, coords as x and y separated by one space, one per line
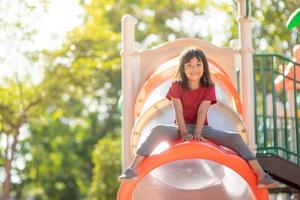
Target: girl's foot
266 181
128 175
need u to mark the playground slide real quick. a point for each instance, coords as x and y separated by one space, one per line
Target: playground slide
189 170
193 170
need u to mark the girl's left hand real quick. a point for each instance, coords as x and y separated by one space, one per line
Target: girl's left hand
187 137
197 137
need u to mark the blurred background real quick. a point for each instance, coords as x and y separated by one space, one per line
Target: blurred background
60 82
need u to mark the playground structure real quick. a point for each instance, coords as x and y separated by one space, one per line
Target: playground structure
204 170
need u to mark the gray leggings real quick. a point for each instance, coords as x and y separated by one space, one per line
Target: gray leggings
230 140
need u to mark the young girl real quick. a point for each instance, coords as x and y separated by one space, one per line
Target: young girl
191 96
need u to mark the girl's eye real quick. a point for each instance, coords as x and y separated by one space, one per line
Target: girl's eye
197 65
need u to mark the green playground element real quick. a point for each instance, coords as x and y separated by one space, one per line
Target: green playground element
277 134
294 19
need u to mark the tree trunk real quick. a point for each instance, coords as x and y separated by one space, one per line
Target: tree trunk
8 167
6 184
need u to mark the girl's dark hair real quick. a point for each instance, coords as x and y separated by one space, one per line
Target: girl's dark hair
188 54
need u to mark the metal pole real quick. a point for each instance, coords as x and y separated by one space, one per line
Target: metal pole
128 84
247 80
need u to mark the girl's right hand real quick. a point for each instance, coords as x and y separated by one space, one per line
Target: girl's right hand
187 137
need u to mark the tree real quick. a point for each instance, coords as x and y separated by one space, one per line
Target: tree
269 26
17 98
107 160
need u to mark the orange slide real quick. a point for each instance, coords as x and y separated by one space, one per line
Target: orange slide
147 190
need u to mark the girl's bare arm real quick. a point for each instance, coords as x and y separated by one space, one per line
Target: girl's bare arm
177 105
202 112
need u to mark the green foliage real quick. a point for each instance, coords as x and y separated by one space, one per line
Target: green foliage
107 160
81 84
269 26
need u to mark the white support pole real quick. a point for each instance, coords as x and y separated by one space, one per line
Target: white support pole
234 44
246 80
292 144
128 84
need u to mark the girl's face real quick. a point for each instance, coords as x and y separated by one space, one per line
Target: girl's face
193 69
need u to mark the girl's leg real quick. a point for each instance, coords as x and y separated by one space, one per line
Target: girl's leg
229 140
158 134
235 142
136 161
130 173
254 164
264 179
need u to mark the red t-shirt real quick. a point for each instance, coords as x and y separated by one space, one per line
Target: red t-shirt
191 99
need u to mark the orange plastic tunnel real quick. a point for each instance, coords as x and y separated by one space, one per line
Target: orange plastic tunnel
176 186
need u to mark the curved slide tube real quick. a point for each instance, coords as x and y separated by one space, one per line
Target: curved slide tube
191 150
